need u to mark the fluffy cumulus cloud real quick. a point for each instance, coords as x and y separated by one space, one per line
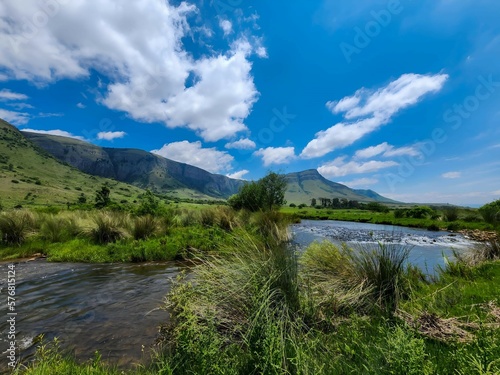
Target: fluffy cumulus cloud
110 136
368 110
339 167
242 144
193 153
138 47
452 175
386 150
238 175
276 155
61 133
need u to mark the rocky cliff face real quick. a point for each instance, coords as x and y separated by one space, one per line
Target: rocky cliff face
136 167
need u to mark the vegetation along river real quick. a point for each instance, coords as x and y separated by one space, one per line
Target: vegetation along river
115 308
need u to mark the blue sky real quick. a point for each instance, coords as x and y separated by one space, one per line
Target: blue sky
398 96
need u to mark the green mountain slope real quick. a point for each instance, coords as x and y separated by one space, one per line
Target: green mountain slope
303 186
138 167
29 175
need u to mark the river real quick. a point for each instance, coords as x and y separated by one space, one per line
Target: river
115 308
428 249
112 308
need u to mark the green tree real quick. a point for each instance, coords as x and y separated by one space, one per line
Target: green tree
491 212
82 199
266 194
149 204
102 198
313 202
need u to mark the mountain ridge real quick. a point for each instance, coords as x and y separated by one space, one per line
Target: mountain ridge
161 175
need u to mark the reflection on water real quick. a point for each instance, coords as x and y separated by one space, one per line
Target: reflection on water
110 308
428 248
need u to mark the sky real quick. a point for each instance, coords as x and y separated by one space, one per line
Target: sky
398 96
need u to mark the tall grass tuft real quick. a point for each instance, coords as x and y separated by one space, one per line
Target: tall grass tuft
242 314
144 227
384 269
345 280
57 229
15 225
107 228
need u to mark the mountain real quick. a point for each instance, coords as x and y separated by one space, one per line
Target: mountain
303 186
138 167
29 175
146 170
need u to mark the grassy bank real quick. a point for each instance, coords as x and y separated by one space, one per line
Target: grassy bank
259 308
466 220
105 236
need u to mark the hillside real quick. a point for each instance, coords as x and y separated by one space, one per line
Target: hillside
29 175
138 167
303 186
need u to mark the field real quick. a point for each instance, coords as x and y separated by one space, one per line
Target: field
467 218
258 307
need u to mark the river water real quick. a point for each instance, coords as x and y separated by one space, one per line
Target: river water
428 249
110 308
114 308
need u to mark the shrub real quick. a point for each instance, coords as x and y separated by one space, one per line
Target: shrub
433 228
420 212
54 229
491 212
144 227
451 214
107 228
292 205
14 226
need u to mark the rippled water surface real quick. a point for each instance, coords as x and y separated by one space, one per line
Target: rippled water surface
110 308
428 248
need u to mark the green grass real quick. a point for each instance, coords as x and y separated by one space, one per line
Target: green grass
44 181
252 306
363 216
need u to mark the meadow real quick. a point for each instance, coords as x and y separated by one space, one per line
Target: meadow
257 307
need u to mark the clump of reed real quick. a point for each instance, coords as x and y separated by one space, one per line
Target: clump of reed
107 229
144 227
15 226
345 280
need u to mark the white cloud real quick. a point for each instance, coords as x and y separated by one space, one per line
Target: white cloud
276 155
6 95
339 167
368 110
362 182
15 118
339 136
209 159
242 144
110 136
262 52
226 26
238 175
81 106
61 133
387 150
452 175
407 90
139 49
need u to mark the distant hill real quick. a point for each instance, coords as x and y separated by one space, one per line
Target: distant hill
306 185
29 175
138 167
146 170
